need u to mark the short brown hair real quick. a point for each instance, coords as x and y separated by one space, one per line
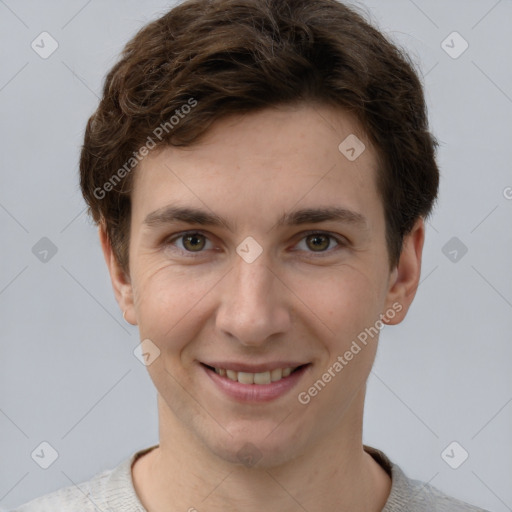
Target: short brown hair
238 56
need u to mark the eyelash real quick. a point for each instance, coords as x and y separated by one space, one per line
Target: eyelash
190 254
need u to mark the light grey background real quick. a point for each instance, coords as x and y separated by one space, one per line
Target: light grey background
68 373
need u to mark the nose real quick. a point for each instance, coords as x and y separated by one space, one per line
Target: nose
255 303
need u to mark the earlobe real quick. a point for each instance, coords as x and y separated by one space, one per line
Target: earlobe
121 284
404 279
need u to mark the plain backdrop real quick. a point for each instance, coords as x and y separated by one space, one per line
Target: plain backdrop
68 375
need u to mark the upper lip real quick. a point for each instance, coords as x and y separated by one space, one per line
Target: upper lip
253 368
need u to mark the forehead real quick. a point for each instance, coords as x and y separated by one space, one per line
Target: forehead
263 161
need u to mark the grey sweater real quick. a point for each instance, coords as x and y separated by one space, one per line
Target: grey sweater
113 491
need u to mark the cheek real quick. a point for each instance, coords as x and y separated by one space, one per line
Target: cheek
344 301
170 302
349 304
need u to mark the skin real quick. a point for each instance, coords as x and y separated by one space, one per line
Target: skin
297 301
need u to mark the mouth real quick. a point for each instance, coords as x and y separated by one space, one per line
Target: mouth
264 384
257 378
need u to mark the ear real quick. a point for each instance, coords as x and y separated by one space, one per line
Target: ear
404 279
121 284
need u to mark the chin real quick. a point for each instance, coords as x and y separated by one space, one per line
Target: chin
255 448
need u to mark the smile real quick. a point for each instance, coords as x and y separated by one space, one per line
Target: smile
263 385
259 378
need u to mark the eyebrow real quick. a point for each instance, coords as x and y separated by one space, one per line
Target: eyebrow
171 214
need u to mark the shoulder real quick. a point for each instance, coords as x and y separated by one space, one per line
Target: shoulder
409 494
89 496
108 491
421 496
85 496
413 495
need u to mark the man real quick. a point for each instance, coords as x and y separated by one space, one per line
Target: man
260 171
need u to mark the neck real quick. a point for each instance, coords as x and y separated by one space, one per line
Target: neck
334 474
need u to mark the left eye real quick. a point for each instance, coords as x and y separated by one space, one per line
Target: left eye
320 241
193 242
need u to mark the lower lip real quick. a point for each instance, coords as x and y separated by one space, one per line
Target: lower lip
256 392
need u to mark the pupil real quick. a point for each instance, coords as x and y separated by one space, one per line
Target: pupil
317 237
194 238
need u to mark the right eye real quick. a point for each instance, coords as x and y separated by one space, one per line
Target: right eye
191 241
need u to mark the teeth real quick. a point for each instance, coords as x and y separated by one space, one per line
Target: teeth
246 378
262 378
276 374
255 378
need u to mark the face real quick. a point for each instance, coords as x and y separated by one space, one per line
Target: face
259 252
